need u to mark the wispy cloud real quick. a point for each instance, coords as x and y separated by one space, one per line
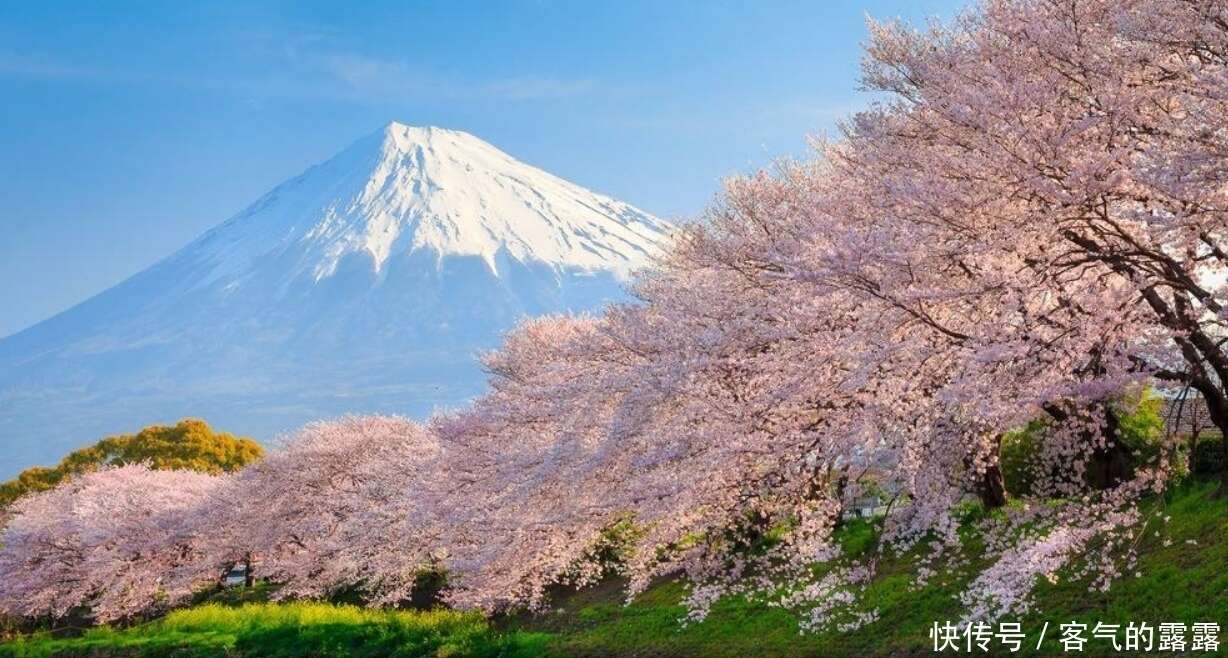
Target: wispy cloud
26 66
391 79
534 87
306 67
359 77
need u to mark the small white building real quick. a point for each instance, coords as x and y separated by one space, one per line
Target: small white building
236 576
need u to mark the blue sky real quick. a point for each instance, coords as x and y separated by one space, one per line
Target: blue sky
127 129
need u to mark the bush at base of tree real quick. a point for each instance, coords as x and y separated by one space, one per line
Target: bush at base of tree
1140 429
190 444
1208 456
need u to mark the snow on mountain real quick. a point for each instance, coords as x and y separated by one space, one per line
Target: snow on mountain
366 284
411 188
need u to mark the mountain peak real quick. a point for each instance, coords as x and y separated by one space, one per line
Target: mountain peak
408 189
401 137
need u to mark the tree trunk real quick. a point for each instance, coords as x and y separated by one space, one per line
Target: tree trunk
1109 464
249 578
842 483
993 488
824 483
1222 491
993 485
1217 412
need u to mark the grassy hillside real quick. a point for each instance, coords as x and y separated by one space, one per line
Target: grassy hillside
1180 582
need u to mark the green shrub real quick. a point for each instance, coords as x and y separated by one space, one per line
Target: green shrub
291 630
1018 457
1208 456
1140 424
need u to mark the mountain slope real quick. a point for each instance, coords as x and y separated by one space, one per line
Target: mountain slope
365 284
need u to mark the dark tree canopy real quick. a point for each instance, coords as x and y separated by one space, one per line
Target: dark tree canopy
190 444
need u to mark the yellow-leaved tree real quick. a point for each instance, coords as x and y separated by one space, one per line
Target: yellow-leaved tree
190 444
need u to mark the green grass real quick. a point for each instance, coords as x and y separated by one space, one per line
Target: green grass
291 630
1180 582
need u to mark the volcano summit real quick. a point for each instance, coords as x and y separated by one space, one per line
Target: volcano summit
366 284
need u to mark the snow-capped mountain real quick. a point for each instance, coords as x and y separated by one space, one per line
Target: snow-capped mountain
368 283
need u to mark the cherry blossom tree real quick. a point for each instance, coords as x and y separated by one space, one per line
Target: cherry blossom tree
114 543
330 510
1076 150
